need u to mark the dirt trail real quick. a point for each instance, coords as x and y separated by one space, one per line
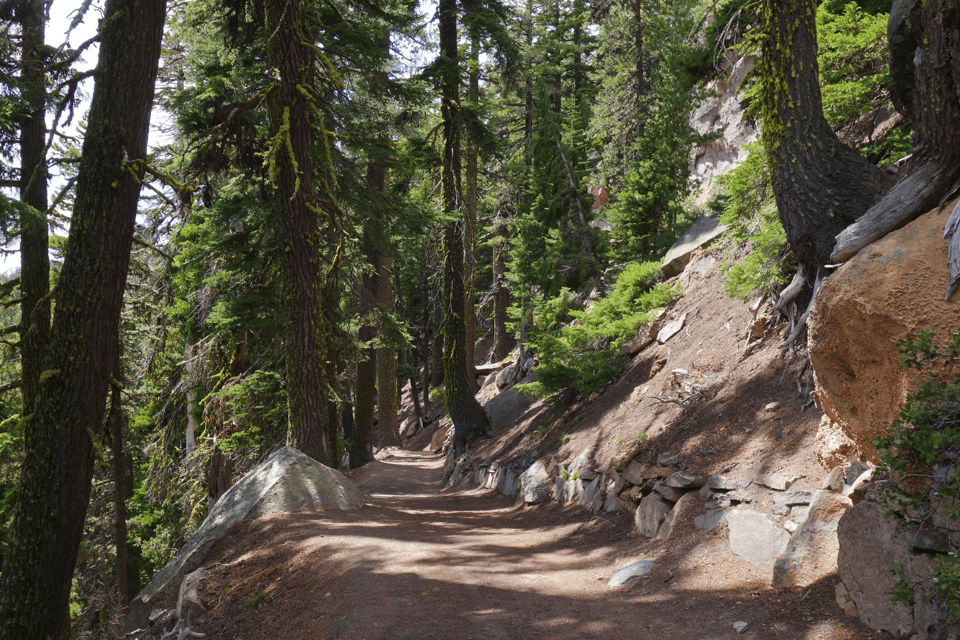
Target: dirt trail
468 563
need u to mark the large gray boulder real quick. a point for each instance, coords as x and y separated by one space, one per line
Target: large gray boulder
811 554
287 480
870 543
509 405
755 538
651 513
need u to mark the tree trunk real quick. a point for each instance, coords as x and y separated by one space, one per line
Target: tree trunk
502 340
189 367
470 219
925 70
361 451
468 417
292 126
34 257
821 186
65 430
117 421
388 419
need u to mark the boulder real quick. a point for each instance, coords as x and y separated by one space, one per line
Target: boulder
755 538
681 510
508 406
189 602
531 483
287 480
700 234
811 554
633 472
869 544
631 571
651 513
890 290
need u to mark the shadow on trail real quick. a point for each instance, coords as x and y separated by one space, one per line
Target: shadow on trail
417 563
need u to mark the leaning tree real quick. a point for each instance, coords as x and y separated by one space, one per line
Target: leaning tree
64 434
820 184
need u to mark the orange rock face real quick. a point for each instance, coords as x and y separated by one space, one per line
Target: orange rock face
890 290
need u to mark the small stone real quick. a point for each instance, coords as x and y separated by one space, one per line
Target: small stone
777 481
722 483
834 480
710 521
670 493
739 627
790 526
327 595
684 481
772 406
792 498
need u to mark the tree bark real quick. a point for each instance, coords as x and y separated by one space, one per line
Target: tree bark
469 420
502 340
361 450
925 69
470 218
821 186
65 432
34 256
292 125
388 419
117 421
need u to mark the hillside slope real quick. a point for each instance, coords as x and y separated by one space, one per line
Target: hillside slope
465 562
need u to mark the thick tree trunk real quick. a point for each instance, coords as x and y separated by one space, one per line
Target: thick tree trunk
35 261
925 69
292 126
470 219
361 450
821 186
388 420
469 420
66 429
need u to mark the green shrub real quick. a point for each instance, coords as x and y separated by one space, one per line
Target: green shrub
583 355
748 208
919 467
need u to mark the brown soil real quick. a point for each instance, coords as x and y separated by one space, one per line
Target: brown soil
418 562
468 563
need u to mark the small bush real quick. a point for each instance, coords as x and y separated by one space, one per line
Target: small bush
583 355
919 467
749 210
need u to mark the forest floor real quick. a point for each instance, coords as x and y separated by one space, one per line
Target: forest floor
466 562
417 562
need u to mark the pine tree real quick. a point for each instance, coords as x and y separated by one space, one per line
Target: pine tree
66 427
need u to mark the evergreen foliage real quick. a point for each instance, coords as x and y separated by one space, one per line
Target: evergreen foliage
919 469
582 355
746 205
